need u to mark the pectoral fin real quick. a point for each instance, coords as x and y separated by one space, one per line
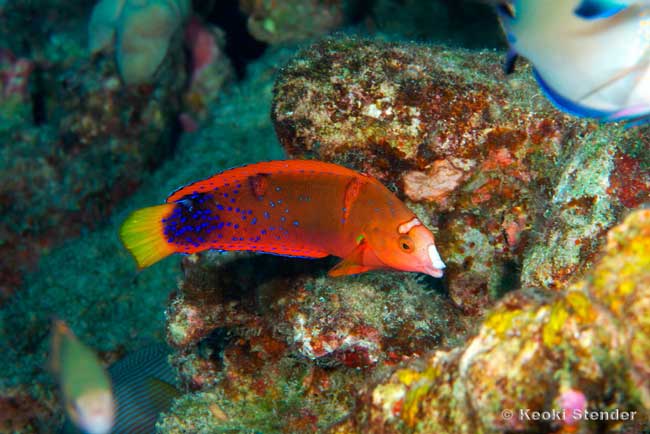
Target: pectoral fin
353 263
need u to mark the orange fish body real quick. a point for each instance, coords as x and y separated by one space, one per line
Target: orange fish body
294 208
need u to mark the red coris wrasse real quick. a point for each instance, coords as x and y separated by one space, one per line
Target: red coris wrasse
293 208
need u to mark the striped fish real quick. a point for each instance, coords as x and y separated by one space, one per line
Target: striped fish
144 385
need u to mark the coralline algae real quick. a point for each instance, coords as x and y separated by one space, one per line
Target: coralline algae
590 338
512 185
399 111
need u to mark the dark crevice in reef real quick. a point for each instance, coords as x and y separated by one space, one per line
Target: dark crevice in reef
511 277
435 285
38 96
241 48
37 87
168 147
212 346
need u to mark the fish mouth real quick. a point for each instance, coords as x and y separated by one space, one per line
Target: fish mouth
437 266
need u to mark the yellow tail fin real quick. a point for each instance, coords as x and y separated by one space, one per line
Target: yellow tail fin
143 234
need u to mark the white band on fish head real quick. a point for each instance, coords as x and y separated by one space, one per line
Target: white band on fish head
405 228
435 258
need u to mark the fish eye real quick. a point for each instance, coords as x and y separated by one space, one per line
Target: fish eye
406 244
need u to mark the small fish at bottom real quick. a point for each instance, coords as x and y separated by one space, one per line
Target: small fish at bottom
85 385
143 385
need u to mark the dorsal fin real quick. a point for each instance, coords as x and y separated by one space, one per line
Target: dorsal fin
240 174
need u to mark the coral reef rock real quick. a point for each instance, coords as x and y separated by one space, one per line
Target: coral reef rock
284 351
582 353
516 189
80 143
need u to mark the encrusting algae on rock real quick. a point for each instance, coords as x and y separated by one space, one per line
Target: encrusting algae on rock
584 349
279 347
515 188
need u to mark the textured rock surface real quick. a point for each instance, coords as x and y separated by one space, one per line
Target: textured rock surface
285 351
78 148
254 341
590 341
512 185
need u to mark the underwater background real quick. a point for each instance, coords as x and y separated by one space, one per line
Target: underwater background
540 217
